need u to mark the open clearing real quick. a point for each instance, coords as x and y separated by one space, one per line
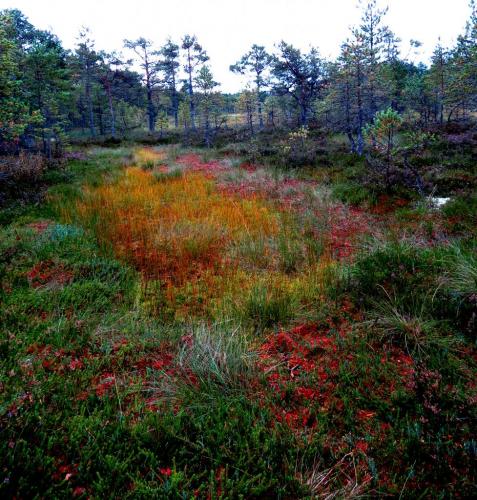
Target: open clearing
190 326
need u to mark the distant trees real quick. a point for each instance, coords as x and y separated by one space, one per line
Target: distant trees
87 60
206 84
169 65
361 79
47 91
149 63
48 78
349 84
438 79
195 57
104 86
256 62
301 76
457 72
34 84
247 104
114 77
371 36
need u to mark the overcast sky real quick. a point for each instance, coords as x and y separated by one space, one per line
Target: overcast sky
227 28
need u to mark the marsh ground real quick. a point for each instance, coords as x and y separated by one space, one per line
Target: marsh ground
179 324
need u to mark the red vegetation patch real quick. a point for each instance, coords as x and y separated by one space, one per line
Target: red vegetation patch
160 360
193 162
104 383
347 226
387 204
64 471
166 471
40 226
48 274
299 367
248 167
302 370
59 360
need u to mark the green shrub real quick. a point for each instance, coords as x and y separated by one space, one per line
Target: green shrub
354 194
463 212
412 329
459 286
402 270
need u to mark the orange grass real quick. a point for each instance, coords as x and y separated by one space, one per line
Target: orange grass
201 251
149 157
175 229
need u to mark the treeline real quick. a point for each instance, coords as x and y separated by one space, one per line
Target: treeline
49 93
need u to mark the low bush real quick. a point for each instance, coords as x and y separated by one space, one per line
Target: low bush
462 214
459 284
402 270
298 149
354 194
20 177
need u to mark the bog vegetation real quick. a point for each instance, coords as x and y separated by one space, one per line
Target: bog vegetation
264 295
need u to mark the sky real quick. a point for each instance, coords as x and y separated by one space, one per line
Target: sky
227 28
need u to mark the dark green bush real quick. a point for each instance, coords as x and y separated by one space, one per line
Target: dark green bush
354 194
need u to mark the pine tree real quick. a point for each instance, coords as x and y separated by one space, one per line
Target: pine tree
149 62
169 65
195 56
255 62
300 76
14 115
205 85
87 59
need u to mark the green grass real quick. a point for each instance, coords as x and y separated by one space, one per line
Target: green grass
352 193
266 308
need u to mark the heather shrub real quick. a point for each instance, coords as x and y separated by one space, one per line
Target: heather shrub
298 150
20 176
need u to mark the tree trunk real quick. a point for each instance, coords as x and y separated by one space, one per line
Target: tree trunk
351 140
150 111
360 145
89 102
191 90
303 114
250 120
100 119
207 129
111 112
259 102
175 105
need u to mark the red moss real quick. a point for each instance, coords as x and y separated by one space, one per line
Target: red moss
49 274
347 226
104 383
291 361
387 204
193 162
40 226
